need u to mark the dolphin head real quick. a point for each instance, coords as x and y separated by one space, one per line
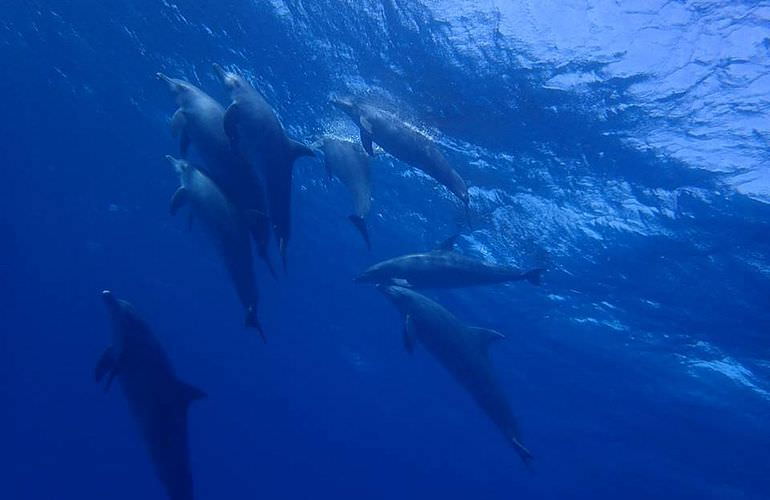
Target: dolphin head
375 274
180 88
180 166
402 298
346 104
232 81
122 316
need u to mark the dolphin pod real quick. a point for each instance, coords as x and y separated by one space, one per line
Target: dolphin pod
158 400
462 350
199 122
237 188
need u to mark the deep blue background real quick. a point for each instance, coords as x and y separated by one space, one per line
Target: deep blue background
638 369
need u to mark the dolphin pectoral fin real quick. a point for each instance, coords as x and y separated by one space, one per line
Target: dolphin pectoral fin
400 282
179 129
178 200
408 334
107 365
298 149
360 224
189 392
366 141
231 125
485 336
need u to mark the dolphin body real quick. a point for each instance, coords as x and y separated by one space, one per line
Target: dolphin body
403 142
255 131
158 400
348 162
226 227
462 350
443 268
199 121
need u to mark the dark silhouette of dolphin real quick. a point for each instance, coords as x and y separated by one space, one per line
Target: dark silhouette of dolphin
157 398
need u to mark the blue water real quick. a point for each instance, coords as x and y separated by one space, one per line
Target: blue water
624 145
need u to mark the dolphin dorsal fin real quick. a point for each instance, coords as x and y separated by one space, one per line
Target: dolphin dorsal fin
485 336
298 149
178 200
448 244
189 392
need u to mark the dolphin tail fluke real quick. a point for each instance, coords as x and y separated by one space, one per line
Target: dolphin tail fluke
253 322
190 393
360 224
298 149
523 452
534 276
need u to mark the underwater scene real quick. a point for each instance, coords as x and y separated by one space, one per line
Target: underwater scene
385 249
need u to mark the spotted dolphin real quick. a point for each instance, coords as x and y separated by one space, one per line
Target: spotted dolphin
256 132
158 400
462 350
225 225
403 142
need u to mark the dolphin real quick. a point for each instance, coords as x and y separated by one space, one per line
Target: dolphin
403 142
199 122
347 161
157 398
255 131
225 225
443 268
462 350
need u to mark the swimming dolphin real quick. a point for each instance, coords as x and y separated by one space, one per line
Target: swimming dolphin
225 225
157 398
199 122
347 161
462 350
403 142
255 131
443 268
